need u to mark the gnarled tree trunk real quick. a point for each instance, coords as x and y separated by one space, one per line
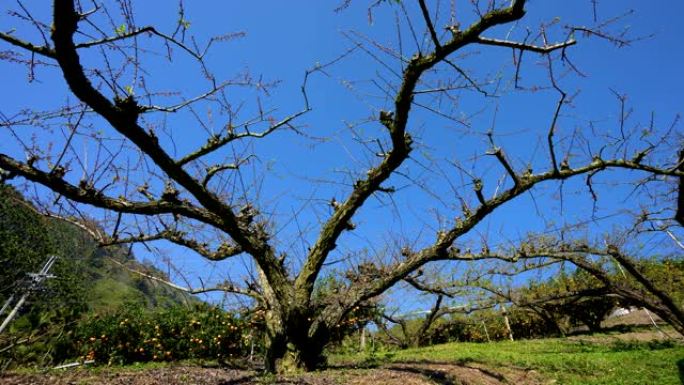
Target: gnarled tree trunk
291 346
292 342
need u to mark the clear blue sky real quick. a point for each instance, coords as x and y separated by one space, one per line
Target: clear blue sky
283 39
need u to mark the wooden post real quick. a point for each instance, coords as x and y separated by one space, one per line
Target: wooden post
655 325
486 332
251 348
508 324
362 344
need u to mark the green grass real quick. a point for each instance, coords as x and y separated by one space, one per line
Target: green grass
564 360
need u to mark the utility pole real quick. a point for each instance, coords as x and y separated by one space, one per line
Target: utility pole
7 303
34 284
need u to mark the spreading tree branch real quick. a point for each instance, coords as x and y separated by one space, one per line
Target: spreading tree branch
395 123
123 115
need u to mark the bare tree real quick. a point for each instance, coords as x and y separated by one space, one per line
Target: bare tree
557 303
418 327
146 191
418 337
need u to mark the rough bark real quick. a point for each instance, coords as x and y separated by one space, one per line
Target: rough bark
290 346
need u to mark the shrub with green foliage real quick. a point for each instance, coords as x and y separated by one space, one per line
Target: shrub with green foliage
135 334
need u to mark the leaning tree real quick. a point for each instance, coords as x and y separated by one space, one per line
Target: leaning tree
576 278
113 143
612 273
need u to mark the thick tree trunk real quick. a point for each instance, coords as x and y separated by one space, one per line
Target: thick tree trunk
593 324
288 342
284 356
291 345
550 320
291 350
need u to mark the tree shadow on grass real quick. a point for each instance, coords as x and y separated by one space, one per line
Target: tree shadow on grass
436 376
680 366
435 370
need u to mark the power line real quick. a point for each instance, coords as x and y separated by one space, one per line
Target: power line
34 284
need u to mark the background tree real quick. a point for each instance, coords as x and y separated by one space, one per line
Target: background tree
563 300
148 183
414 329
603 272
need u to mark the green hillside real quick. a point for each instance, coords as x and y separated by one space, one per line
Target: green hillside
88 280
86 275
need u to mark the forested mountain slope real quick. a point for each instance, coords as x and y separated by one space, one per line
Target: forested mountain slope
87 277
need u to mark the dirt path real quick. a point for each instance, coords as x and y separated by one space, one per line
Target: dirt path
391 374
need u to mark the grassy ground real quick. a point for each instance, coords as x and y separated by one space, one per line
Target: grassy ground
602 359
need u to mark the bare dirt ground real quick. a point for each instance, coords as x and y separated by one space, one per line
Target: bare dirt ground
391 374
